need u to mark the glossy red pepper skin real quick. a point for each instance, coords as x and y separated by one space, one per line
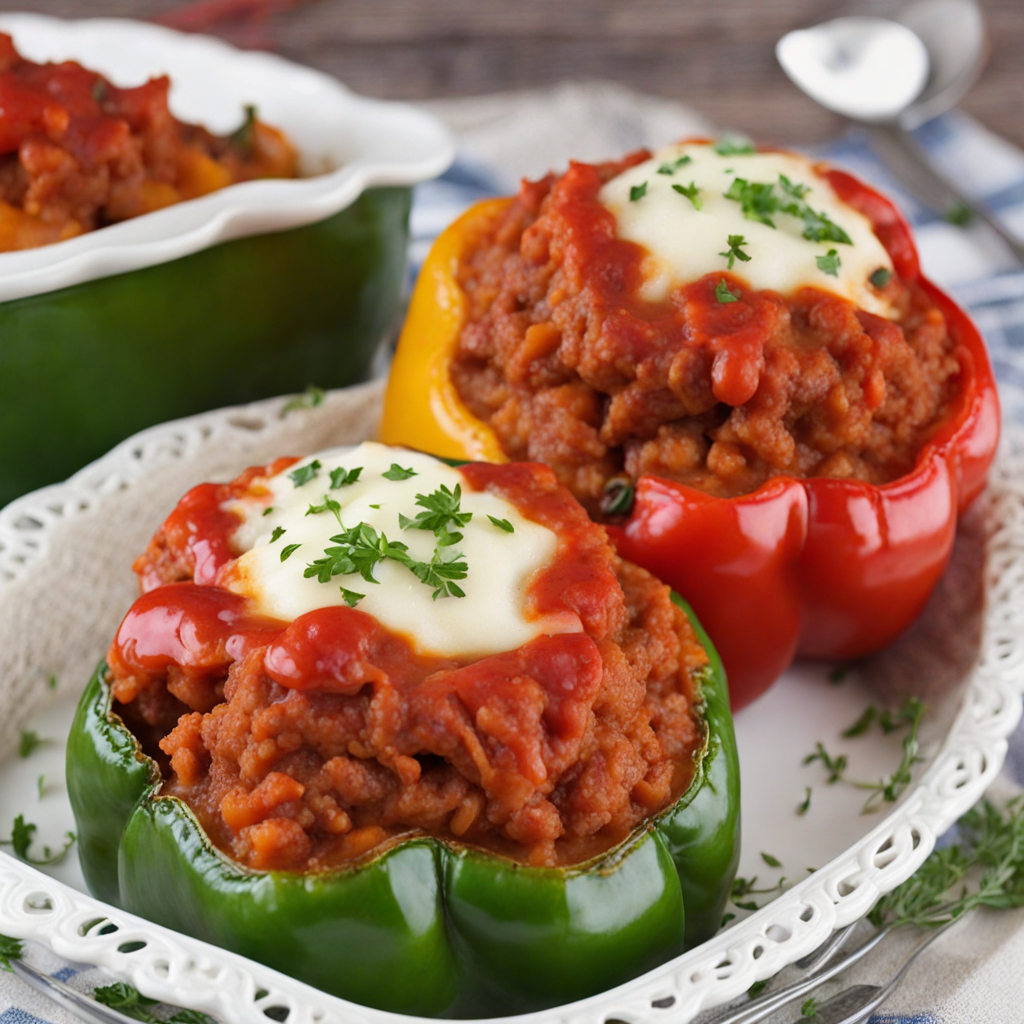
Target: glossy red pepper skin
820 567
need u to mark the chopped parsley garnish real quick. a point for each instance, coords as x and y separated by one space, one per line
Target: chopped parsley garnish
22 832
29 743
756 989
691 192
288 551
638 192
51 682
673 165
351 597
959 214
341 477
758 201
755 198
880 278
502 524
327 505
41 786
396 472
268 510
304 474
357 549
10 949
441 512
772 862
806 805
279 532
819 228
829 263
441 571
734 145
309 399
796 190
360 548
723 294
734 252
809 1008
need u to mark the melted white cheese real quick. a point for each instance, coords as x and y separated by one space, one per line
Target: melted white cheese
684 243
489 619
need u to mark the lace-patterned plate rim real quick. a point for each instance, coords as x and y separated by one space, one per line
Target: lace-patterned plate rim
348 143
186 972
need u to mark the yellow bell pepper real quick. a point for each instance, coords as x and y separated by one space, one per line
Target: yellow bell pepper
422 409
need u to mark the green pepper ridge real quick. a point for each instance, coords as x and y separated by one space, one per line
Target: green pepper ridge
426 926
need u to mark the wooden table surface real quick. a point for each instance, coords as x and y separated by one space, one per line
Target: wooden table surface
716 55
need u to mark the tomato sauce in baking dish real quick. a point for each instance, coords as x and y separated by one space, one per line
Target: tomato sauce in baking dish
712 318
306 723
78 153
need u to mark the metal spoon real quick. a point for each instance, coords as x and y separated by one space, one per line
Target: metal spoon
893 76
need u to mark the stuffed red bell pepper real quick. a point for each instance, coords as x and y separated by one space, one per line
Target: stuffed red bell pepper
732 358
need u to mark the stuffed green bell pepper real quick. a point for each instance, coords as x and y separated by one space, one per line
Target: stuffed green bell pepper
411 733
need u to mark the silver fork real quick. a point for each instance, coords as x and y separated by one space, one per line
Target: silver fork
851 1006
856 1004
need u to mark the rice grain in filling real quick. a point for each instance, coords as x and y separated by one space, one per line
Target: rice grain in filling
572 366
295 756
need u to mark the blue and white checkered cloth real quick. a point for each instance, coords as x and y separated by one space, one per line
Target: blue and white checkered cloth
505 137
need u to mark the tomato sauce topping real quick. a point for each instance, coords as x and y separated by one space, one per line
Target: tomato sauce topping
303 745
77 152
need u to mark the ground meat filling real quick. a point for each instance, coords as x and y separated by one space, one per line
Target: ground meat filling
295 756
77 153
571 368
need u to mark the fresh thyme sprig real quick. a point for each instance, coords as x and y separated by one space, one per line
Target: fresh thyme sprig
744 887
984 868
891 787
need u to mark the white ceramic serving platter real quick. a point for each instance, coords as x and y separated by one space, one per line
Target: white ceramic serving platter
347 143
65 582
